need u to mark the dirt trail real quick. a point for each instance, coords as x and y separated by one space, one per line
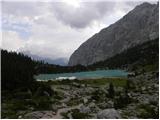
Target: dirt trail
58 114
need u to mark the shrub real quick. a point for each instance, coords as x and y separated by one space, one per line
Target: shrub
121 101
111 91
76 114
147 111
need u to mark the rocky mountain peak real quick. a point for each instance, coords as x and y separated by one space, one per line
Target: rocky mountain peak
138 26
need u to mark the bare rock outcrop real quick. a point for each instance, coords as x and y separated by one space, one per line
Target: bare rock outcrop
138 26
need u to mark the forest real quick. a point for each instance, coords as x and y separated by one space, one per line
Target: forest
138 56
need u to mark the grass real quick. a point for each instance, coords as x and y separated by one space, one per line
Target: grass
76 114
147 111
74 102
65 115
117 82
151 67
103 81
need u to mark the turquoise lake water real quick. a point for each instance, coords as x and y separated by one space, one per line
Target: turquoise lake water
84 75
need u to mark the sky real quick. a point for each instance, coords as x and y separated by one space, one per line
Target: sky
54 29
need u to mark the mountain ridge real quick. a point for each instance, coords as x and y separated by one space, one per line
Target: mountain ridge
138 26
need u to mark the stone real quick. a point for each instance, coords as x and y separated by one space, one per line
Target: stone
40 115
143 88
82 85
104 105
110 104
48 115
19 117
85 100
92 104
64 105
34 115
108 114
85 109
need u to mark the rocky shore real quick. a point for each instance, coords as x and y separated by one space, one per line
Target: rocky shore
134 97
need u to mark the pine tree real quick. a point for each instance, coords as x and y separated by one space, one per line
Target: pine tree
111 90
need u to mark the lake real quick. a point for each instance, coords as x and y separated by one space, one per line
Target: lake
84 75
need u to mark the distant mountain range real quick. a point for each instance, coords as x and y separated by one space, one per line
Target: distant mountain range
57 61
138 26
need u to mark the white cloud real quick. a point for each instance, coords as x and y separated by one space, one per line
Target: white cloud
56 29
11 41
52 39
82 16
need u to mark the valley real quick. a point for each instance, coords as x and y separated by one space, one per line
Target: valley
112 75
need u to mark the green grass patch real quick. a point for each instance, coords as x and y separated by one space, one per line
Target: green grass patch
147 111
103 81
151 67
73 102
65 115
76 114
117 82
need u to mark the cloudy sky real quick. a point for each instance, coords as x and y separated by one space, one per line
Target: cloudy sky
54 29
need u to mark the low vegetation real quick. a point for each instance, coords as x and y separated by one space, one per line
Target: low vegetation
97 82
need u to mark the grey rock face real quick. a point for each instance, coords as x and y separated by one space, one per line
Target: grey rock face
39 114
108 114
138 26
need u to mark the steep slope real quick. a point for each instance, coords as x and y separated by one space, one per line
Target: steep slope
145 54
138 26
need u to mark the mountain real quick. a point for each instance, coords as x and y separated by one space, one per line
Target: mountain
58 61
144 55
138 26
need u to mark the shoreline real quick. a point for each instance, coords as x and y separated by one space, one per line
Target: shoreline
40 80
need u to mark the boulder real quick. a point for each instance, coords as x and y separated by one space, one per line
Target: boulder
85 100
39 115
34 115
108 114
85 109
110 104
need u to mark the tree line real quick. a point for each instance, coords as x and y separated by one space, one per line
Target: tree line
19 69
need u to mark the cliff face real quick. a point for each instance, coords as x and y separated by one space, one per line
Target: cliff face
138 26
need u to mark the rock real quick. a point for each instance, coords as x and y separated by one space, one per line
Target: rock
54 113
64 105
69 116
85 100
110 104
92 104
82 85
89 90
108 114
40 115
34 115
93 107
19 117
76 84
48 115
105 105
138 26
55 107
85 109
143 88
31 108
